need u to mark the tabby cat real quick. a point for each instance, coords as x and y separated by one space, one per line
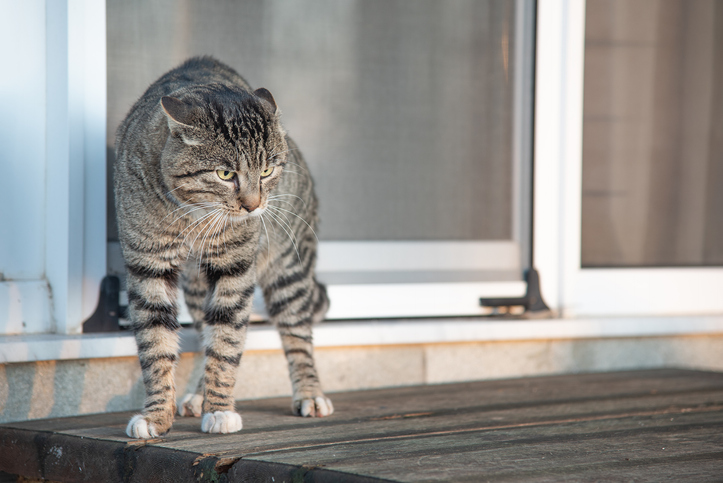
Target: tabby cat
212 194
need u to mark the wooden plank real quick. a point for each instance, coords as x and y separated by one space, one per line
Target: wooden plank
548 428
268 438
574 450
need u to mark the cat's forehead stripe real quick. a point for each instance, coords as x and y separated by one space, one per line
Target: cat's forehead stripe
243 126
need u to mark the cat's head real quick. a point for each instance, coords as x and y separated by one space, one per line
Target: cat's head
226 149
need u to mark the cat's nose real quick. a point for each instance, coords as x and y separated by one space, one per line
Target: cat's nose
250 203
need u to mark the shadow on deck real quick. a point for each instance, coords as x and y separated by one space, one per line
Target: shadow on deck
643 426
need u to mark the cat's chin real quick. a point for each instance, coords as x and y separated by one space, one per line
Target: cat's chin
241 218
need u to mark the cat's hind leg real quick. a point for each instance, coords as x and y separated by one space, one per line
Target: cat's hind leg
294 302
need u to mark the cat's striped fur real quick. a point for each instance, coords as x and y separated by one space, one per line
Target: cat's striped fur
180 222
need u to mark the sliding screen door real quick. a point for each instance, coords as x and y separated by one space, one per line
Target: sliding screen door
414 117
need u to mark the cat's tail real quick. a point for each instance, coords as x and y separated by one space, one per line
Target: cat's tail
321 302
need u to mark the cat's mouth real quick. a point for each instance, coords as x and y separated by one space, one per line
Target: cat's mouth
245 213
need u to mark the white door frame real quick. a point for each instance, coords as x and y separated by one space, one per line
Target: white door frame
76 159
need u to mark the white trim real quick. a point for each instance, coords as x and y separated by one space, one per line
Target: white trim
558 147
549 135
416 300
447 263
373 333
417 256
94 129
75 157
653 291
571 199
64 186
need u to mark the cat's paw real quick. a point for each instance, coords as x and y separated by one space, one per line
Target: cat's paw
139 427
318 407
191 405
221 422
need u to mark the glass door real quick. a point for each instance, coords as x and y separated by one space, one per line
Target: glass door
651 214
415 119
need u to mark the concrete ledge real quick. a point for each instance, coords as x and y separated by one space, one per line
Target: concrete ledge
49 347
55 388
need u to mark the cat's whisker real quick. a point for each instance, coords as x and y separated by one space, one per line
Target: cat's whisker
280 201
274 197
273 230
221 231
207 229
225 232
279 221
193 226
288 222
183 206
196 207
211 230
288 234
268 242
276 155
202 230
284 223
294 214
188 213
297 164
177 187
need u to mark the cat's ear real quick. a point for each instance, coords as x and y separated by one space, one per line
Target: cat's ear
264 94
180 116
177 110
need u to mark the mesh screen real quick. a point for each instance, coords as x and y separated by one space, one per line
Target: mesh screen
403 109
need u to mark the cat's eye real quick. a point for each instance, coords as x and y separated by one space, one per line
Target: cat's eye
267 171
225 175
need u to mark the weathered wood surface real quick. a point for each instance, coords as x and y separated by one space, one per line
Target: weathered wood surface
661 425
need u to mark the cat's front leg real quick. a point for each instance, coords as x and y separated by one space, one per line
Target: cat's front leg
153 312
224 334
195 291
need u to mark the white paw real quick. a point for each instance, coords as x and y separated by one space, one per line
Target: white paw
139 427
221 422
318 407
191 405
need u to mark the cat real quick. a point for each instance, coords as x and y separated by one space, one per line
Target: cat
211 193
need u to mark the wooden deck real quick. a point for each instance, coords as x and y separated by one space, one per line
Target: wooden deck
659 425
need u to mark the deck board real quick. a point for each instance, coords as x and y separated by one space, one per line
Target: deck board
657 425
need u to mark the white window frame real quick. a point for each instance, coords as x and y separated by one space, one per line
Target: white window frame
433 279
